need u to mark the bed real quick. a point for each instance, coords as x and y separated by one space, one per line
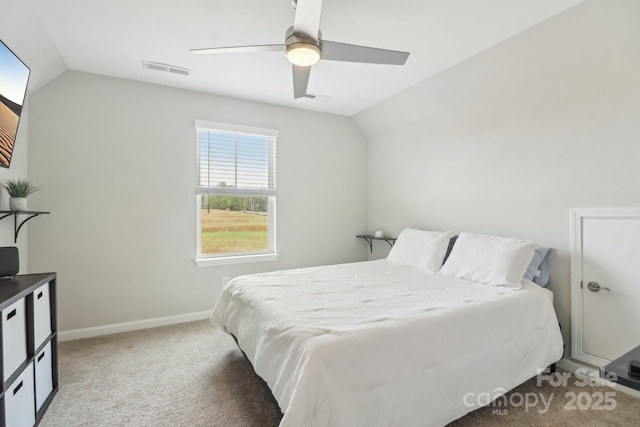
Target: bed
393 342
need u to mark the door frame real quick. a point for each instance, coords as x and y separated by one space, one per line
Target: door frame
577 217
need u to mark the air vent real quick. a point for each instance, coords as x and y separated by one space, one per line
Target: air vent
320 98
166 68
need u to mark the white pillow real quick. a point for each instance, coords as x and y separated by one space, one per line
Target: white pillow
420 248
491 260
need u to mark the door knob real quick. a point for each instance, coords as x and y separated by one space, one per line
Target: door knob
595 287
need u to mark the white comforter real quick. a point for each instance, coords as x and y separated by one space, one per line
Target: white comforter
373 344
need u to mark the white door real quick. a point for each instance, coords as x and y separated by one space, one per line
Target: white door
608 287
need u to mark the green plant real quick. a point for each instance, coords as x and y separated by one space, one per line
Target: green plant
19 187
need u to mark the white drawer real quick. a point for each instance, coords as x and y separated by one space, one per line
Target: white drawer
14 337
41 315
44 375
19 401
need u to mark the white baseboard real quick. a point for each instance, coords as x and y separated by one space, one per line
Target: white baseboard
571 366
586 370
76 334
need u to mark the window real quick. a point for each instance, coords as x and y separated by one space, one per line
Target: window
235 193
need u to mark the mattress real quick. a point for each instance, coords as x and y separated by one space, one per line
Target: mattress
376 344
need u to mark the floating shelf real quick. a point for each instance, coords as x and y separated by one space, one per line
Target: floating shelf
370 238
29 215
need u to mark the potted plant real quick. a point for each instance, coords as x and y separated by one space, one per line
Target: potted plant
18 190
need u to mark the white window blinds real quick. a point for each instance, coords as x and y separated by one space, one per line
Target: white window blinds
236 159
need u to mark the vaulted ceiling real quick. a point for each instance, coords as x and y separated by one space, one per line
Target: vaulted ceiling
113 38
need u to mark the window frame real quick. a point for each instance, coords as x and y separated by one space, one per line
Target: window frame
271 253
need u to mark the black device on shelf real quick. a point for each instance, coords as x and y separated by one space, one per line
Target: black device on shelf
9 262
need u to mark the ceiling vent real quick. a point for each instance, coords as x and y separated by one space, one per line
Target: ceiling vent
166 68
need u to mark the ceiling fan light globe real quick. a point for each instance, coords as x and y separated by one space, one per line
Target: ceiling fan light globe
303 54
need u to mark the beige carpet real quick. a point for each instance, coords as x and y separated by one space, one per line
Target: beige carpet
182 375
193 375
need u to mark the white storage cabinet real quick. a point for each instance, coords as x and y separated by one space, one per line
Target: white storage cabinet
29 361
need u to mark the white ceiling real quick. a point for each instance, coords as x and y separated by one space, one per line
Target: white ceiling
113 37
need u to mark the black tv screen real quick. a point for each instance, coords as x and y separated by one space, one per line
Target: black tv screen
14 76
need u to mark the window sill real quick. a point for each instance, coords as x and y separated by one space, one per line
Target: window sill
239 259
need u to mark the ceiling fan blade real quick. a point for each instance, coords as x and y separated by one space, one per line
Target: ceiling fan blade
241 49
307 19
300 81
334 51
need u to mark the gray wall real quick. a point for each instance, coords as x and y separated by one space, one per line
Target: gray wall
18 170
508 141
117 160
505 143
20 30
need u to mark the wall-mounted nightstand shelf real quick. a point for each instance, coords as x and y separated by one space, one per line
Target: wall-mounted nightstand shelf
16 226
370 238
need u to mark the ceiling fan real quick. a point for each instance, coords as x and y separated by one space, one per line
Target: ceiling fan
304 47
